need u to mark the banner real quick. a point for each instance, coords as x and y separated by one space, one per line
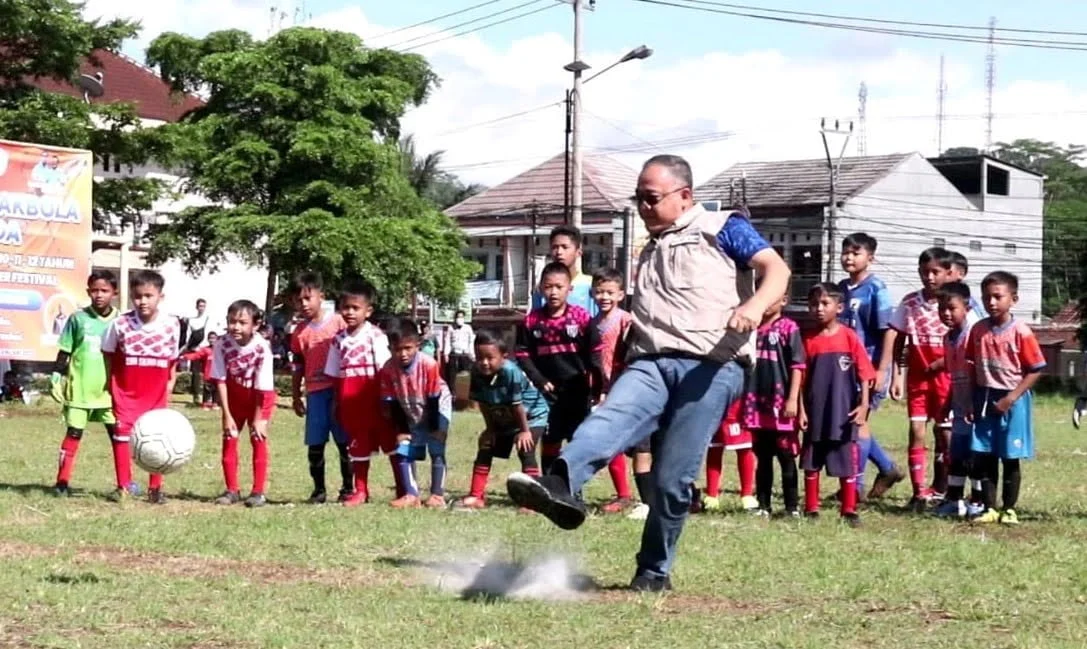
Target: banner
45 245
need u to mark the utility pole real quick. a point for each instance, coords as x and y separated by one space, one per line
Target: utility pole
990 83
575 121
833 165
862 119
941 96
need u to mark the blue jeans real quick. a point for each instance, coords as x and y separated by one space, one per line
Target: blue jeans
677 400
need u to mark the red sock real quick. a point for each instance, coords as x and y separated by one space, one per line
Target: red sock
916 458
122 464
230 462
68 449
361 471
745 463
848 494
260 465
811 491
155 481
715 459
400 491
617 469
548 454
480 473
533 471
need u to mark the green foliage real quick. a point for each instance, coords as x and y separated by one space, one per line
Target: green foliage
49 39
298 144
429 180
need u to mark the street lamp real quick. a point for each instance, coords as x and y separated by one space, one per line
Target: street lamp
572 213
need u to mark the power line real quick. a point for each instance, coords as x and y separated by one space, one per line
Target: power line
501 118
474 29
1075 46
434 19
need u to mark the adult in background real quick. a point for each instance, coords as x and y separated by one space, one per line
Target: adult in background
458 349
695 308
198 326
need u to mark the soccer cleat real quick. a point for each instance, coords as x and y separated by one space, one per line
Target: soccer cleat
1009 517
761 513
61 490
711 504
345 494
814 515
951 509
884 481
318 497
156 497
987 517
644 583
853 520
119 495
470 503
134 489
750 503
973 510
696 500
406 502
256 500
548 495
617 506
1079 411
435 502
792 513
639 513
228 498
355 499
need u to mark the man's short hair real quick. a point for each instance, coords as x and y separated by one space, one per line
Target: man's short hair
677 166
566 231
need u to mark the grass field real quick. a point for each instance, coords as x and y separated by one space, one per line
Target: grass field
83 572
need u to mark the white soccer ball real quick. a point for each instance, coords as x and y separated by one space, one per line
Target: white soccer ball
163 441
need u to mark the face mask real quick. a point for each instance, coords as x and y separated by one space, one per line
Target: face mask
458 321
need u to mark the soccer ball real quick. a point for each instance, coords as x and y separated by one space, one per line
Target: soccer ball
162 441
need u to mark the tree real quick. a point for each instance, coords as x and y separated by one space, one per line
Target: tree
49 39
960 151
429 180
296 150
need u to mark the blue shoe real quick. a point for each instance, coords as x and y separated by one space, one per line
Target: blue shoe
952 509
133 488
973 510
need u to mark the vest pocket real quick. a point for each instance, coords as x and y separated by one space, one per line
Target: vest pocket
684 267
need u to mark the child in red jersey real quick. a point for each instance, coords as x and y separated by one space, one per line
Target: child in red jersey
204 359
141 349
356 355
916 321
731 435
608 328
836 382
419 405
242 369
310 342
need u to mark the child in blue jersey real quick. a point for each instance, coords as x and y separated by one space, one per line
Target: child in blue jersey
566 249
960 266
868 310
514 413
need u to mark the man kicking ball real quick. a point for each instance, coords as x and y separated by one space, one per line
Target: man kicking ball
695 307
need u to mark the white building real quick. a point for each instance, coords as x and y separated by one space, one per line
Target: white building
984 208
124 249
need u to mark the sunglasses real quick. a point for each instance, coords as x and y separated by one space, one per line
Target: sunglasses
651 200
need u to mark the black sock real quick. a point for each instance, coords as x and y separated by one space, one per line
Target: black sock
1012 479
345 469
316 457
790 481
989 467
764 468
956 481
645 486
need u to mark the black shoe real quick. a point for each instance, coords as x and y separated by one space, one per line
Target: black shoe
256 500
156 497
61 490
812 515
852 520
548 495
228 498
344 495
644 583
884 482
318 497
917 505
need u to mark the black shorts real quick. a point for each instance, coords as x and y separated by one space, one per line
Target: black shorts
568 410
501 444
840 459
644 446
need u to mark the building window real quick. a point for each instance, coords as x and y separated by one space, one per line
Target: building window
482 259
939 242
996 181
975 245
1009 248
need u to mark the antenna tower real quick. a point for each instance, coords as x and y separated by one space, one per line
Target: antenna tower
941 95
862 111
990 82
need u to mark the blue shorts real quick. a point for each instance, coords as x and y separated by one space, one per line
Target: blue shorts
424 438
1009 436
962 439
319 421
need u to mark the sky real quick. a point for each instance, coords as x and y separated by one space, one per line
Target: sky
719 89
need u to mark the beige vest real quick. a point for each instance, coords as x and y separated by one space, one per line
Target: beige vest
686 290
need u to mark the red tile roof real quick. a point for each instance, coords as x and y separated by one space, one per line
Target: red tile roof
126 80
1068 315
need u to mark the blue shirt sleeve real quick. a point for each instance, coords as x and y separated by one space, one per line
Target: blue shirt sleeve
739 241
883 307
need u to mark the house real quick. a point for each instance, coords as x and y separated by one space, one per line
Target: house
507 226
124 249
1059 339
986 209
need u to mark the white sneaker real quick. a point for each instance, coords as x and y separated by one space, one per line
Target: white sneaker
1079 411
639 513
750 503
